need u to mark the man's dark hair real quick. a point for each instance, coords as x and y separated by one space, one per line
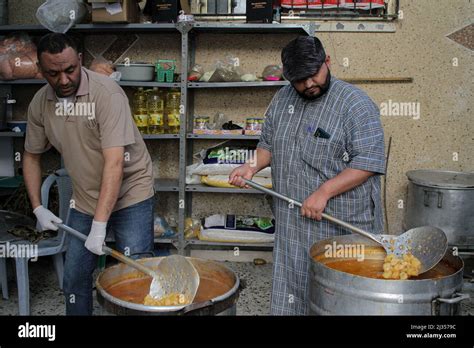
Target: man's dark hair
302 58
55 43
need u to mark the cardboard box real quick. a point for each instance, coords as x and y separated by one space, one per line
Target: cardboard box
129 11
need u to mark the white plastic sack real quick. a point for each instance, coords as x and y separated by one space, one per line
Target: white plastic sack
191 178
60 15
223 181
235 236
222 169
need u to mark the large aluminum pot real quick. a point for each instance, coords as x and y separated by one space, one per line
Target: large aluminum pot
333 292
442 199
121 289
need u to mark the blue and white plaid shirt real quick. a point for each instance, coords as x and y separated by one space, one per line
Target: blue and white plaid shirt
312 141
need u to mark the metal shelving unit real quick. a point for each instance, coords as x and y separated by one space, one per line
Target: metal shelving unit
149 84
187 32
166 185
188 44
23 82
160 136
251 28
194 243
145 136
94 28
223 136
12 134
121 83
157 240
237 84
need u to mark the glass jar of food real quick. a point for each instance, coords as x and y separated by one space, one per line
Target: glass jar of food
258 123
201 122
250 124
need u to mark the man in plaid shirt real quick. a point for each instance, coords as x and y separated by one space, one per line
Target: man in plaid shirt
324 141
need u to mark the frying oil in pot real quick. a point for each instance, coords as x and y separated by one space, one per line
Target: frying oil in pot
135 290
371 268
370 265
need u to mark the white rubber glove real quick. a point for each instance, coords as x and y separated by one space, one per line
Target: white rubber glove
96 237
46 219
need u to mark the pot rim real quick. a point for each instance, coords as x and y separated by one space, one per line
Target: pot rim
376 280
162 309
417 177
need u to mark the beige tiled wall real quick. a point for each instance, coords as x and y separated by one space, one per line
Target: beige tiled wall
419 49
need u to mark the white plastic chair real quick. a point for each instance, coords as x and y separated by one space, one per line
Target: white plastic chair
48 247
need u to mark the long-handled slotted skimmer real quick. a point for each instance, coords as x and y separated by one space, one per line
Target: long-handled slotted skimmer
174 274
428 244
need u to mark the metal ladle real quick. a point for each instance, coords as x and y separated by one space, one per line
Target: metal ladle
428 244
174 274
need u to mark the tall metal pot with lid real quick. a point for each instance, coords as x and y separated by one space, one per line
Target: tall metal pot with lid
442 199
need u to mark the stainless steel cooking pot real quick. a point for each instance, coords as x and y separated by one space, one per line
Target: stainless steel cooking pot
334 292
442 199
217 294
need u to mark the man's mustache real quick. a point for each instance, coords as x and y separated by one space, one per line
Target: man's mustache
310 88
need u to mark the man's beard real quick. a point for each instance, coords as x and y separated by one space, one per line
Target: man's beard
72 89
322 89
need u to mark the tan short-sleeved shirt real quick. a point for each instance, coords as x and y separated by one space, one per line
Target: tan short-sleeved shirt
99 119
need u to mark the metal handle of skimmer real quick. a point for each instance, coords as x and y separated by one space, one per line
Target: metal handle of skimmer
299 204
115 254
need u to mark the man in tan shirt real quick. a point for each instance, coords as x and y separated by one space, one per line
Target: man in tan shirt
87 118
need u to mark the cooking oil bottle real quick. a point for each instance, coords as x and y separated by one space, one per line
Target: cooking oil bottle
155 104
140 111
173 101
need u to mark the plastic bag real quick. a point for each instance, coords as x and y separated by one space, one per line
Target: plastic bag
272 73
249 78
18 58
102 66
221 169
206 76
191 228
218 121
60 15
161 228
227 70
223 181
196 73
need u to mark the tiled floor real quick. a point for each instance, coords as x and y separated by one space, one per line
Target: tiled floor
47 299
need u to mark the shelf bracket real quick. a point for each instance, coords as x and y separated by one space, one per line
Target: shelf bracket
184 27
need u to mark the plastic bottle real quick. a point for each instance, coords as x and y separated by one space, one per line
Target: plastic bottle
173 101
140 111
155 104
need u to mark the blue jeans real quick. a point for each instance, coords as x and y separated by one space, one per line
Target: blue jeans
133 230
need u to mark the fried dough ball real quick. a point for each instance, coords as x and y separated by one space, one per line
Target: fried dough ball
401 268
174 299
